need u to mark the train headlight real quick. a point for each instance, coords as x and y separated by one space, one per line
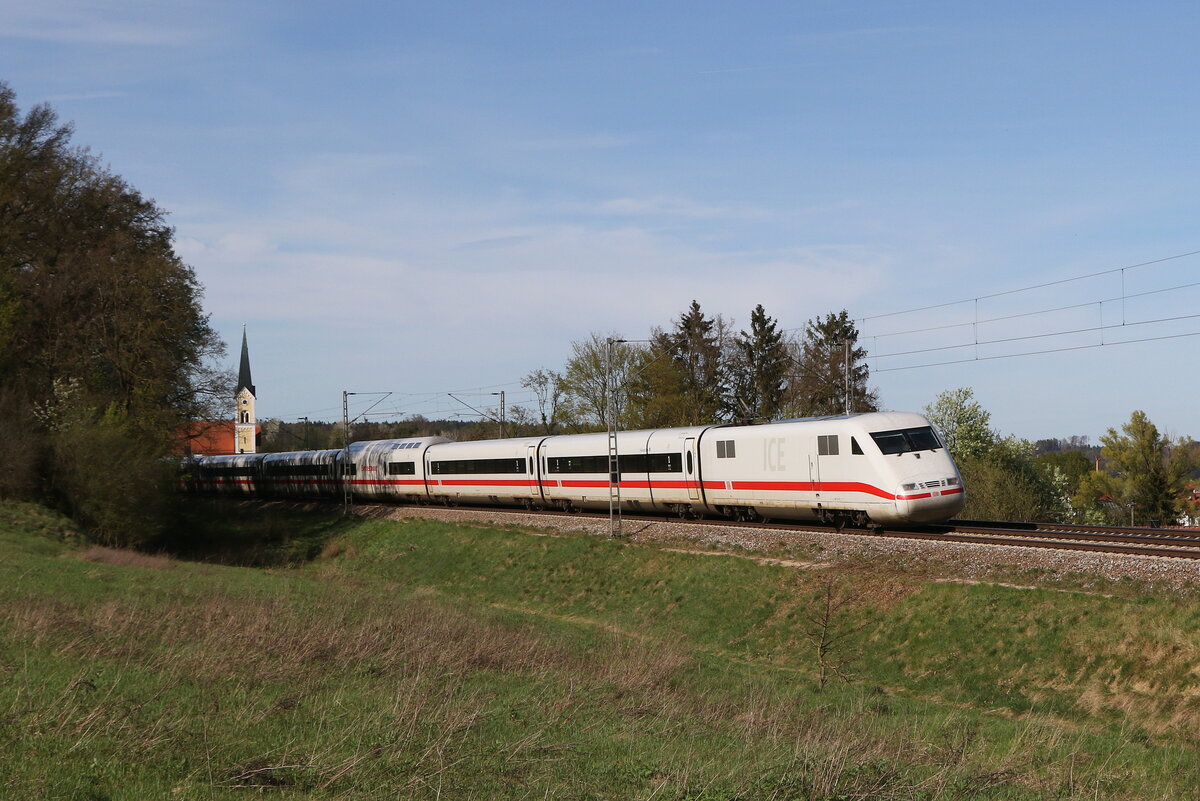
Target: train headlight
908 487
953 482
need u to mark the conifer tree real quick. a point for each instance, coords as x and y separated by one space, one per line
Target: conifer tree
761 368
820 387
697 349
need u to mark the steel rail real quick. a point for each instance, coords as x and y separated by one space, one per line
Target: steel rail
1179 550
1122 536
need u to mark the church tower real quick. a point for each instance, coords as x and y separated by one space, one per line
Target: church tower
245 422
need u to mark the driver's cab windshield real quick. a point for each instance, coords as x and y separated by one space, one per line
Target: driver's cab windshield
906 440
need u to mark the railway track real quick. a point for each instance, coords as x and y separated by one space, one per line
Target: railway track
1149 542
1116 540
1055 536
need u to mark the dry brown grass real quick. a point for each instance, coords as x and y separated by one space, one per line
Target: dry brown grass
335 548
123 557
218 635
1119 683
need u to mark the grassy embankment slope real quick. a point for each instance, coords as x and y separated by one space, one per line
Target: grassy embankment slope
425 660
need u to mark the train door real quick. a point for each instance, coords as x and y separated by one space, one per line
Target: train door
531 464
814 469
691 469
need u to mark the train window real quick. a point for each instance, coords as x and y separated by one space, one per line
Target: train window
476 466
725 449
827 445
216 470
627 462
402 468
651 463
577 464
906 440
855 448
689 463
663 463
294 470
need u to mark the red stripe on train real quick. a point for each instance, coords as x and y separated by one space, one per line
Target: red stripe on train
813 486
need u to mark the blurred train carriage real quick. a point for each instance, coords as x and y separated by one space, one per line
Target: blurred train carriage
239 474
301 474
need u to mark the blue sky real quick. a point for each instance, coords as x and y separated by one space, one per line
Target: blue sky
426 198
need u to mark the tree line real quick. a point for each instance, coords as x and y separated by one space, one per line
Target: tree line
698 369
701 369
1137 476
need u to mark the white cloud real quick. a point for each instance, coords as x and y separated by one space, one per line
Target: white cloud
112 23
555 276
674 206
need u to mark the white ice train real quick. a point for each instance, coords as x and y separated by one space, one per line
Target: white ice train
886 468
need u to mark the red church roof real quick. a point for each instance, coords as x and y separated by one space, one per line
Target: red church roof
210 438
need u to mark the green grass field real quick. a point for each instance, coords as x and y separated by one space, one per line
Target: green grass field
363 659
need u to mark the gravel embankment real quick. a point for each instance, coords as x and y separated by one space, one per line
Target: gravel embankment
819 549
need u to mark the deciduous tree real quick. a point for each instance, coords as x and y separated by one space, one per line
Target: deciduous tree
964 424
92 297
1003 479
1148 471
547 387
584 389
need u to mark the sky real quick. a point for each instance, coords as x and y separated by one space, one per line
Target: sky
436 199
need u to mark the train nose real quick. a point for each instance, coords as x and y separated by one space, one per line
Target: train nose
931 499
930 488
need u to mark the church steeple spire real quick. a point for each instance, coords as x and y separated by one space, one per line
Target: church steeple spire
244 380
